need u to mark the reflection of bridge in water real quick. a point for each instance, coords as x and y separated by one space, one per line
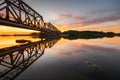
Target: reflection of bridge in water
14 60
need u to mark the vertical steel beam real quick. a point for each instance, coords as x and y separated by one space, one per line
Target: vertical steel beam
35 20
20 19
7 10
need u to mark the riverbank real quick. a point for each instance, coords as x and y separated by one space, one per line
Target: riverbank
71 34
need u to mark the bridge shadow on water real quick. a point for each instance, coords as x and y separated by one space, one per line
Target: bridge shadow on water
16 59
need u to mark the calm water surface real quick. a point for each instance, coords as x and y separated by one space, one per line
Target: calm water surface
82 59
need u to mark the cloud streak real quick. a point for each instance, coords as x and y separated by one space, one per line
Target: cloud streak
79 20
101 20
79 17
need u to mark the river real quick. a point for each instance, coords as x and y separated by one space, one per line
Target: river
59 59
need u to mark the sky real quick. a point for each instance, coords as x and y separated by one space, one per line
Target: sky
95 15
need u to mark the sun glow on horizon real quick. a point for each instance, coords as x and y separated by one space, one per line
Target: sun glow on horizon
11 30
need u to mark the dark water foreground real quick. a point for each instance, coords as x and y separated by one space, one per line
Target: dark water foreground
59 59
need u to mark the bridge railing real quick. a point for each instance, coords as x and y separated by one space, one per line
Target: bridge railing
51 27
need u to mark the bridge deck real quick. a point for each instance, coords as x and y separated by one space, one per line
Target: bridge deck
17 25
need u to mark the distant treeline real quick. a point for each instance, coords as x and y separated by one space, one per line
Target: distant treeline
71 34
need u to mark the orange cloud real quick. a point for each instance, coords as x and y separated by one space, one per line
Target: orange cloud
69 16
65 15
113 28
101 20
79 17
107 27
77 22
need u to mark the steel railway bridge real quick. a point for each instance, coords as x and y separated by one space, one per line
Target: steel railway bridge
17 13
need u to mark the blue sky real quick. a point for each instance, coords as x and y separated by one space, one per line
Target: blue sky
98 15
101 15
83 7
95 15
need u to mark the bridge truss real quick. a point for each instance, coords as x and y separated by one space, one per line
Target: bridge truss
17 13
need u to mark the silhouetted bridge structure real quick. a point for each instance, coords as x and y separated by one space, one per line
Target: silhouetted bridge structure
16 59
17 13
